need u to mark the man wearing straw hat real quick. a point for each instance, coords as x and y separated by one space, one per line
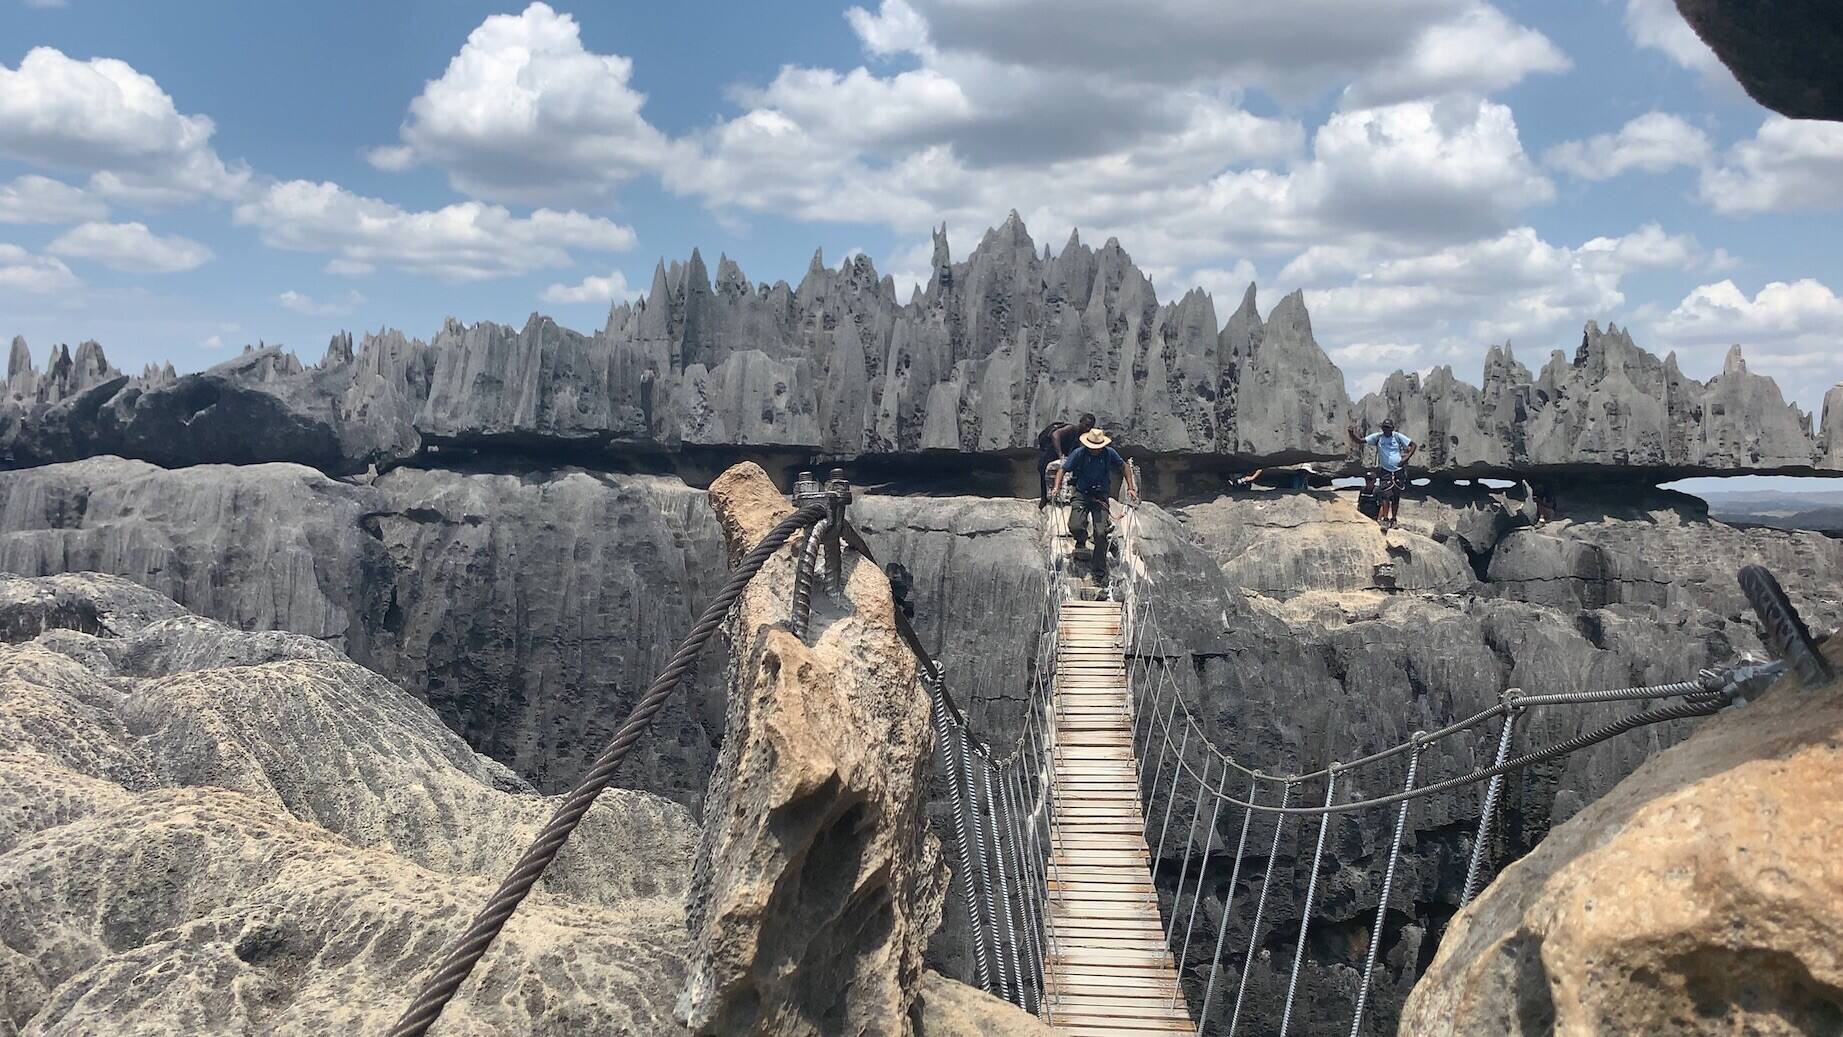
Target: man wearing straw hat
1091 466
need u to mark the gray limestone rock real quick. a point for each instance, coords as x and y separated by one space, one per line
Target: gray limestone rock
218 829
1612 407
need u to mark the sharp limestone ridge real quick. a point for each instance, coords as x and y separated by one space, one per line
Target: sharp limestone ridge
995 347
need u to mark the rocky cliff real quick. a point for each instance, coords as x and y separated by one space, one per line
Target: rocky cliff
1702 895
207 830
994 348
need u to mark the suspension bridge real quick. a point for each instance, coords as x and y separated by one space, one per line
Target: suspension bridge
1082 848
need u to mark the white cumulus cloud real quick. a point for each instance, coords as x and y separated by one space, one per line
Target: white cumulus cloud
1450 302
130 247
1790 164
40 199
464 242
1651 143
524 113
593 289
1657 25
1793 330
300 302
104 118
21 271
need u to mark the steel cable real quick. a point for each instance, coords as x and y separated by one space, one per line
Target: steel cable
1474 869
1228 907
440 988
1260 908
1305 913
1196 897
1382 905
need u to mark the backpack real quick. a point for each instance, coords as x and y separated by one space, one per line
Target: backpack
1045 439
1368 505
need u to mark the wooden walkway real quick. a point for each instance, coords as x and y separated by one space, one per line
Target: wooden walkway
1108 971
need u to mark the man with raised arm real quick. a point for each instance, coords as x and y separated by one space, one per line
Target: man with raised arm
1393 451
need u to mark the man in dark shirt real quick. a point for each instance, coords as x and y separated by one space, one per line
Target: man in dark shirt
1054 444
1090 467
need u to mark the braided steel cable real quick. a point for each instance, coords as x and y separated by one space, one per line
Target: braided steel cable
1688 709
1382 905
995 978
1228 906
1183 875
1305 913
1474 869
1158 775
1007 977
803 577
440 988
1170 801
944 751
1029 948
1000 845
1260 908
1209 843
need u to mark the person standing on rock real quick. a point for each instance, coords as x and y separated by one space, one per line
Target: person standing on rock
1392 453
1054 444
1091 466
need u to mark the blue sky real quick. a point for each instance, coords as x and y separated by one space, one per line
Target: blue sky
179 179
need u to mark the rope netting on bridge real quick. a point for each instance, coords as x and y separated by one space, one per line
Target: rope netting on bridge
1004 807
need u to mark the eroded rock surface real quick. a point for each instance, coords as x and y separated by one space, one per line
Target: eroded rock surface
817 884
996 346
208 830
1702 895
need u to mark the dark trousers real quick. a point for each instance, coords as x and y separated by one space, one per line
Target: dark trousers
1044 457
1085 511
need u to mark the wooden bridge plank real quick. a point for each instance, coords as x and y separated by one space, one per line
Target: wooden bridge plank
1108 970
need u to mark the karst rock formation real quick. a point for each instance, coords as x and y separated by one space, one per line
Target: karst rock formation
994 348
1702 895
254 605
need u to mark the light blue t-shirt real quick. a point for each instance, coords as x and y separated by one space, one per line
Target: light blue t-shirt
1389 449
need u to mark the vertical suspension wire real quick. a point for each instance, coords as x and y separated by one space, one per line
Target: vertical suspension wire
1196 896
949 754
1183 875
1008 953
1028 882
1177 774
1228 901
1038 866
1026 940
1260 908
983 874
1311 894
1388 885
1474 869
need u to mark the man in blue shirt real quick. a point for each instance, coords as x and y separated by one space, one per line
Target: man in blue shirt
1392 453
1090 466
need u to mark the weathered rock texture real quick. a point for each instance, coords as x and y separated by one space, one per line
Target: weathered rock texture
1783 53
997 346
817 885
532 609
1702 895
1612 407
945 1008
210 830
